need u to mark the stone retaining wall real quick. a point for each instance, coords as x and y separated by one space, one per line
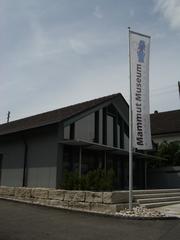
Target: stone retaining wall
106 202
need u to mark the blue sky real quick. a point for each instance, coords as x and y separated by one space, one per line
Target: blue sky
60 52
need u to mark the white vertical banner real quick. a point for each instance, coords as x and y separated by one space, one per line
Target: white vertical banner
139 59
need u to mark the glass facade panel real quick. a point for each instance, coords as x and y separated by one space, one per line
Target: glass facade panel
100 127
85 128
67 132
118 136
126 142
109 130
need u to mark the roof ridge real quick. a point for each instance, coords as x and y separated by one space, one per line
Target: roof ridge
54 116
62 108
170 111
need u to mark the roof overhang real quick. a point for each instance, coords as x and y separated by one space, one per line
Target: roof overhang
101 147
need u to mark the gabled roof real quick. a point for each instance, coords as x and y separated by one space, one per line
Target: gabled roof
54 116
165 122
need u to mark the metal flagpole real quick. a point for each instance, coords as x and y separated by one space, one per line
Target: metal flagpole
130 133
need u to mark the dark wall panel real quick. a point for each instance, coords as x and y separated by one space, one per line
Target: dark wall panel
12 162
41 160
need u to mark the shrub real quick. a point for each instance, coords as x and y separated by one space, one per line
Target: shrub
71 180
96 180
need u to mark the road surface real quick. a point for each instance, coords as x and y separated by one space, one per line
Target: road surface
20 221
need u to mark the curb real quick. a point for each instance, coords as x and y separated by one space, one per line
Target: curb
112 215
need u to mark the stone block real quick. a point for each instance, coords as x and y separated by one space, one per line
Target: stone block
7 191
94 197
104 208
79 196
22 192
41 201
40 193
63 204
56 194
69 195
53 202
107 197
79 205
115 197
2 191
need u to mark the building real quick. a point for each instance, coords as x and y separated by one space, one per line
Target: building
35 151
165 126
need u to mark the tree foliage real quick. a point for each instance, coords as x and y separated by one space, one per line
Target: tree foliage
169 154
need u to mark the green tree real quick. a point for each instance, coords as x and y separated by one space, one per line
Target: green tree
171 152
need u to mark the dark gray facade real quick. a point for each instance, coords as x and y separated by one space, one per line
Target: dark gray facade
29 158
42 158
12 150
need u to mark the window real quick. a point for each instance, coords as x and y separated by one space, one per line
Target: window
110 135
85 128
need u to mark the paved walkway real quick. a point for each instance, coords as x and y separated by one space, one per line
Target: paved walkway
170 210
27 222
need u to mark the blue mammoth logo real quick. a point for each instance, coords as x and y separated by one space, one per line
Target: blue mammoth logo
141 51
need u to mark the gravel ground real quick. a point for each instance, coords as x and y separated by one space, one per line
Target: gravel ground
141 212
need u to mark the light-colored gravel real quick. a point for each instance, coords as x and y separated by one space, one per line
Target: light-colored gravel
141 212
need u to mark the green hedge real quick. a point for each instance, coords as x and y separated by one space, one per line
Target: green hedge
97 180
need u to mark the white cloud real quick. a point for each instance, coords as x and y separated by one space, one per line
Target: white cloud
170 10
158 35
79 46
98 12
131 13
